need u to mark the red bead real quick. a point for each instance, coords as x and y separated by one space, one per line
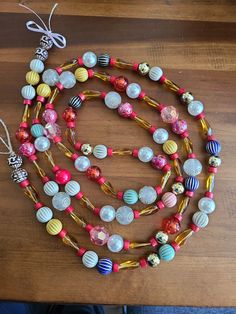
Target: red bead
171 225
23 135
120 83
69 114
93 173
62 176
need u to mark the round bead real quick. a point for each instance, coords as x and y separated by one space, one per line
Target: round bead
14 161
169 114
46 42
161 237
104 60
214 161
107 213
125 110
160 136
42 143
200 219
104 266
206 205
49 116
50 77
81 74
191 184
72 188
153 260
28 92
170 147
69 114
90 259
32 77
52 130
82 163
19 175
120 83
147 195
169 199
192 167
93 173
130 197
171 225
27 149
166 252
187 97
213 147
89 59
177 188
67 79
44 214
195 107
51 188
133 90
41 54
43 90
99 235
145 154
124 215
112 100
159 161
115 243
75 102
86 149
36 65
23 135
61 201
155 73
179 126
54 226
143 68
100 151
37 130
62 176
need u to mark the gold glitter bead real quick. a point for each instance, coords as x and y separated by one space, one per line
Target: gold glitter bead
32 77
170 147
81 74
43 90
54 226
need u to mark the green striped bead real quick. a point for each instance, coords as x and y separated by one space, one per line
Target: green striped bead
37 130
130 197
166 252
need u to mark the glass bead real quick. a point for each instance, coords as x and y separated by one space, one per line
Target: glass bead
159 161
50 77
153 260
36 65
195 107
19 175
155 73
86 149
49 116
14 161
133 90
192 167
41 54
104 266
147 195
214 161
69 114
89 59
200 219
115 243
52 130
170 147
37 130
120 83
42 143
61 201
143 68
125 110
93 173
161 237
51 188
99 235
22 135
75 102
187 97
28 92
130 197
27 149
124 215
191 183
179 127
169 199
169 114
54 226
90 259
62 176
160 136
213 147
67 79
112 100
104 60
171 225
46 42
206 205
107 213
145 154
72 188
43 90
177 188
166 252
44 214
32 78
82 163
100 151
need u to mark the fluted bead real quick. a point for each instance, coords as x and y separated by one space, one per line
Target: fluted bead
191 183
51 188
81 74
166 252
72 188
44 214
104 60
36 65
90 259
130 197
200 219
100 151
155 73
104 266
54 226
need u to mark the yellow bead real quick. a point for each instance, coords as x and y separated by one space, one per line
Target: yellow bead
81 74
43 90
54 226
170 147
32 77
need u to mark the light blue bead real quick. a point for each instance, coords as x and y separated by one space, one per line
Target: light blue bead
130 197
37 130
166 252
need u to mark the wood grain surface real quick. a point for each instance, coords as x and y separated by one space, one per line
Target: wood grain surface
195 43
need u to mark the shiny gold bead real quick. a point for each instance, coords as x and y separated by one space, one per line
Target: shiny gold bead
43 90
32 78
170 147
81 74
54 226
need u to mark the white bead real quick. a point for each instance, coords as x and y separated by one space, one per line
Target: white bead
50 77
147 195
115 243
112 100
67 79
133 90
42 143
206 205
89 59
61 201
100 151
72 188
28 92
200 219
51 188
107 213
124 215
145 154
155 73
192 167
160 136
44 214
90 259
37 65
82 163
195 107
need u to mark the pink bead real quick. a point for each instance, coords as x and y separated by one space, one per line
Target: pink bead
125 110
99 235
62 176
169 114
50 116
27 149
52 130
159 161
179 126
169 199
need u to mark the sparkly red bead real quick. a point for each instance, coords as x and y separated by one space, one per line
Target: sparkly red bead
23 135
120 83
93 173
69 114
171 225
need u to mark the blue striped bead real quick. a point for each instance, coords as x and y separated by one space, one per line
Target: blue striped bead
130 197
166 252
213 147
191 183
75 102
104 266
37 130
104 60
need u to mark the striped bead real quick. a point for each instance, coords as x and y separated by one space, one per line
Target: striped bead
51 188
213 147
170 147
54 226
75 102
100 151
72 188
166 252
191 183
104 60
37 130
43 90
155 73
90 259
200 219
44 214
130 197
104 266
32 77
81 74
169 199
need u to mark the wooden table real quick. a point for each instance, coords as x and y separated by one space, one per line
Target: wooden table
195 43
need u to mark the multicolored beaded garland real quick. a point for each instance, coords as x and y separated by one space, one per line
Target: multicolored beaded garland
61 187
